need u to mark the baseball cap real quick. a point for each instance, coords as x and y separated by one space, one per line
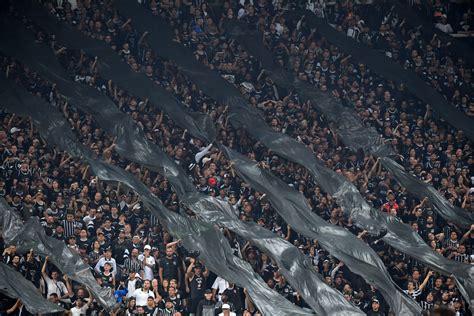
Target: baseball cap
208 291
225 306
147 247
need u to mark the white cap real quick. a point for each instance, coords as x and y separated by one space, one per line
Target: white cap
225 306
14 130
147 247
205 160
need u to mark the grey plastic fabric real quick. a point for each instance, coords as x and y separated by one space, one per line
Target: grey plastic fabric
294 209
110 66
390 70
348 125
196 235
241 115
293 264
458 47
214 248
340 188
350 128
421 189
322 298
356 136
41 59
31 235
14 285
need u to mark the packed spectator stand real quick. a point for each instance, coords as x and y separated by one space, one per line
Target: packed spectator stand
127 248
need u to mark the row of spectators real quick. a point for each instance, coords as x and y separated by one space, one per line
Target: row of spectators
131 253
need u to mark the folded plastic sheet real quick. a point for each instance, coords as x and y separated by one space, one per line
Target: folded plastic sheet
421 189
196 235
458 47
214 248
303 277
14 285
390 70
294 209
31 235
355 136
110 66
41 59
293 264
350 128
241 115
347 123
343 193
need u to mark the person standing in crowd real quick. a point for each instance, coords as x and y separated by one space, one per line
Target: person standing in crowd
375 309
142 294
196 280
170 267
226 311
53 284
107 258
148 263
80 307
206 306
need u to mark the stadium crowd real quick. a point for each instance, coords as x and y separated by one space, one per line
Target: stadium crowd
382 28
128 250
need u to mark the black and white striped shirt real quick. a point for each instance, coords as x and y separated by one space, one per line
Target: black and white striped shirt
132 265
451 243
426 306
461 258
69 228
413 294
165 312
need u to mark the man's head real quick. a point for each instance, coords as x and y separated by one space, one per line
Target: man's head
107 267
83 234
79 302
150 301
226 309
70 217
54 275
81 293
54 298
430 297
375 305
208 294
147 250
169 252
198 269
108 253
169 304
172 291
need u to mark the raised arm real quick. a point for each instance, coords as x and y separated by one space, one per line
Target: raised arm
425 281
43 269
